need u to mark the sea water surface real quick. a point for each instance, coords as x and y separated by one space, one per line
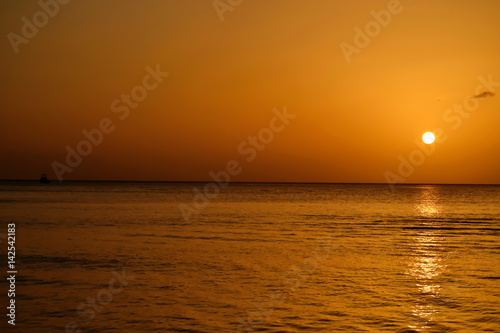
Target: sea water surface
120 257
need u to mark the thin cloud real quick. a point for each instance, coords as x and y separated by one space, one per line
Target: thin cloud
485 94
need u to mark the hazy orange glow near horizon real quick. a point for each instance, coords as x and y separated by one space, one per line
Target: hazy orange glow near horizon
354 120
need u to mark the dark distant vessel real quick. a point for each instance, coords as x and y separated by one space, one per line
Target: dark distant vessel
44 179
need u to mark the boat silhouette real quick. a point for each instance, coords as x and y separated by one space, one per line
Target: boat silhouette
44 179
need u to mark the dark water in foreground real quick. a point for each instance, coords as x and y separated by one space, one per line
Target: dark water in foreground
257 257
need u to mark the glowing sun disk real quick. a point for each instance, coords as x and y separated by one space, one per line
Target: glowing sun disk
428 137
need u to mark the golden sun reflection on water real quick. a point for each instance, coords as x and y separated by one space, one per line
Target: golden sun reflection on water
428 205
427 262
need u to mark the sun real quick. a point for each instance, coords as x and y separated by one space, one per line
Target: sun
428 137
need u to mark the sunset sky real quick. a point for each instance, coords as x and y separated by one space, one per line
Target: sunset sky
353 118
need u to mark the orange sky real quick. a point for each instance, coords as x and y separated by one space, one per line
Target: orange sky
354 119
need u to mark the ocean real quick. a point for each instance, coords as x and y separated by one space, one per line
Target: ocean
255 257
